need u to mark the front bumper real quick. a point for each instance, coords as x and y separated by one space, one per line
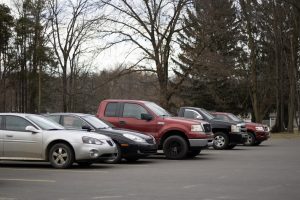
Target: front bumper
138 150
94 152
262 136
198 143
237 138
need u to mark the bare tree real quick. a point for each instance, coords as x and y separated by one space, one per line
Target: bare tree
151 27
73 25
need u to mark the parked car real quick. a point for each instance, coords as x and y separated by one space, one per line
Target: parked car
33 137
130 145
177 137
257 133
226 134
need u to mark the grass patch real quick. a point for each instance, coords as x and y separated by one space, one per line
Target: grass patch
285 135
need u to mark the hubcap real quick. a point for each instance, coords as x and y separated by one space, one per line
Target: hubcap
219 141
60 156
175 148
250 139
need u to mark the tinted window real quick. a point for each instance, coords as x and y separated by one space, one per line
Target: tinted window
95 122
133 110
73 122
222 117
191 114
111 110
15 123
0 122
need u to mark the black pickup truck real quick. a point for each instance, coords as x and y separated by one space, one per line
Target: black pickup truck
226 134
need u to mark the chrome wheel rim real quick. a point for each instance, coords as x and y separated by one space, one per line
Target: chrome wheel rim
219 141
114 158
60 156
249 140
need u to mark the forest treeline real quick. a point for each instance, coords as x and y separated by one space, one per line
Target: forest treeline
239 56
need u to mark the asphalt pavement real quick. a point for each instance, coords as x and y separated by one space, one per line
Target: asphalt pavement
269 172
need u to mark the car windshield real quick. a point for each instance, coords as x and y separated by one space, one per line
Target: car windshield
207 114
157 109
234 117
45 123
95 122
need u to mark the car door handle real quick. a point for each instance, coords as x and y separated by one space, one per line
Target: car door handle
122 122
9 135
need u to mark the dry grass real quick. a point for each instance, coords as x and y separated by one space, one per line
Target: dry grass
285 135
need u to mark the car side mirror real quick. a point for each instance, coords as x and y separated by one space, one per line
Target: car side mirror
32 129
86 127
199 117
146 116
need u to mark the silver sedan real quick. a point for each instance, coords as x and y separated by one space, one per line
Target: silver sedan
33 137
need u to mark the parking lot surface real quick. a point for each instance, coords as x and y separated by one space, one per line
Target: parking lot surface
269 171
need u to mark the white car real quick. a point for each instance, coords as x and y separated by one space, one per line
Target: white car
33 137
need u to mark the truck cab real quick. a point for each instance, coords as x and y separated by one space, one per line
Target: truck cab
177 137
226 134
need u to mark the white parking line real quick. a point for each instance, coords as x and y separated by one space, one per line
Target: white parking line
27 180
107 197
56 170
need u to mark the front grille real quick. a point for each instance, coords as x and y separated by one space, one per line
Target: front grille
207 128
110 142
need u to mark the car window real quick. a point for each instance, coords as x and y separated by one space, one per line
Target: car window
55 118
73 122
15 123
222 117
133 110
192 114
111 110
0 122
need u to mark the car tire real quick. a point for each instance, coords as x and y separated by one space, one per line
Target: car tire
221 141
61 156
257 143
175 147
117 158
231 146
84 164
193 153
250 140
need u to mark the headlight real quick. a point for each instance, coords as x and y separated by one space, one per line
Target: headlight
235 129
89 140
259 128
134 138
197 128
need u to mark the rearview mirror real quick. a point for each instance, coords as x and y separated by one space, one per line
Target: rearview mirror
86 127
32 129
146 116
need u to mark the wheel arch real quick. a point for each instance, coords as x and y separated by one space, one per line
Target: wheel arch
171 133
56 142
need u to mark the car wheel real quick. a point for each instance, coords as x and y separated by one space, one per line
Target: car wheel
117 158
84 164
220 141
61 156
257 143
231 146
250 140
175 147
193 153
